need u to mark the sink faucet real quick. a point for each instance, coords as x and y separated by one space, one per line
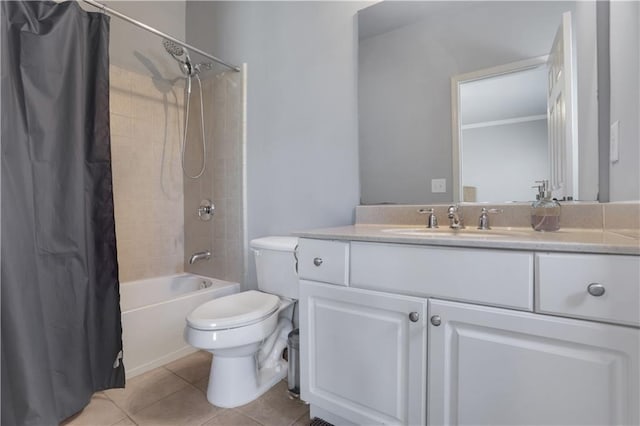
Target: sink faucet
483 222
455 215
201 255
432 220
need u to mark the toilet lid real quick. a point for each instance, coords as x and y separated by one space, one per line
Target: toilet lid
233 310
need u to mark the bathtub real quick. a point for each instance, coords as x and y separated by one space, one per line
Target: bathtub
153 317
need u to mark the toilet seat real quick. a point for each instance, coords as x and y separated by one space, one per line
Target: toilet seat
236 310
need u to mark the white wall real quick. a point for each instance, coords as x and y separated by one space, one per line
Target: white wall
404 89
624 178
585 12
302 156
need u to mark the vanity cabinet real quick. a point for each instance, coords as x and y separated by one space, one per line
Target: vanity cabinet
511 337
490 366
364 354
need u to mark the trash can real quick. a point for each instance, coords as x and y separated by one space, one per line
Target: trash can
293 350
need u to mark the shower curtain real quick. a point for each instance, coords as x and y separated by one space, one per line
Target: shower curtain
60 312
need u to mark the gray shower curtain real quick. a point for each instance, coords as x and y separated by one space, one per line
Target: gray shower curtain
60 313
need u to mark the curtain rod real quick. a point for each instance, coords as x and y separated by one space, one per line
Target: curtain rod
158 33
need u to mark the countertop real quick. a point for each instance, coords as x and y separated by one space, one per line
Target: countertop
565 240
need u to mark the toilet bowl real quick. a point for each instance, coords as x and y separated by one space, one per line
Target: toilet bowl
247 332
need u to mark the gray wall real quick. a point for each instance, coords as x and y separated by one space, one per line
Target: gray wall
302 156
517 150
625 104
405 98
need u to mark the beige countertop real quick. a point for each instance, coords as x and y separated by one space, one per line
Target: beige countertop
564 240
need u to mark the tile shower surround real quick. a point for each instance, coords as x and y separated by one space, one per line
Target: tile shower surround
146 121
155 205
581 215
222 180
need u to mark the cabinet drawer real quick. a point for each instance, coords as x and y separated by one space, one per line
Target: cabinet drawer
323 260
563 280
490 277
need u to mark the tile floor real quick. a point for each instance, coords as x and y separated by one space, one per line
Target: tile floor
175 395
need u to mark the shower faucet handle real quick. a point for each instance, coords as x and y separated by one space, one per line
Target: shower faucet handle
206 210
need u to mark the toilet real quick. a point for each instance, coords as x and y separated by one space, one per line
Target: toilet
247 332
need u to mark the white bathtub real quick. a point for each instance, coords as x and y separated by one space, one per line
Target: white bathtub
153 317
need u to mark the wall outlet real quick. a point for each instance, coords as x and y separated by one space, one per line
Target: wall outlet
614 142
438 185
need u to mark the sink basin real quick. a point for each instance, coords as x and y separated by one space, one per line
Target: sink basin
448 232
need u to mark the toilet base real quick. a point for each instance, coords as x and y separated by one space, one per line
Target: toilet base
233 380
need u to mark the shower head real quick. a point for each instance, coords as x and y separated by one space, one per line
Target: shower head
188 68
174 49
177 51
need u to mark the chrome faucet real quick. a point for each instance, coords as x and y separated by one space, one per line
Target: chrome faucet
455 215
432 220
201 255
483 222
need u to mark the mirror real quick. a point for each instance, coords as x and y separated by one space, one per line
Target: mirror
408 53
499 113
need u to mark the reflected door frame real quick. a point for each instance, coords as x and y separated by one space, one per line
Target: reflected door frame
456 81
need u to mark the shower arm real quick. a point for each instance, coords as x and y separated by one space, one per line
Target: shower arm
146 27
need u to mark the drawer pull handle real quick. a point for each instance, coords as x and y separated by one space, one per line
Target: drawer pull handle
595 289
317 261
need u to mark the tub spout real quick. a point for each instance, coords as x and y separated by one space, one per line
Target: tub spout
201 255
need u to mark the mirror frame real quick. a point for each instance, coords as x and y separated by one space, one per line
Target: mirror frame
456 81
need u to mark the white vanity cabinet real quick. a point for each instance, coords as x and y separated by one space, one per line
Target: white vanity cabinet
490 366
515 337
363 354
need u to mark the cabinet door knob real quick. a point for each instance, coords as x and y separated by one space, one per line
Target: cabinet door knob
595 289
435 320
317 261
414 316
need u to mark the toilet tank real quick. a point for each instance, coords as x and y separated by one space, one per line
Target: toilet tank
276 265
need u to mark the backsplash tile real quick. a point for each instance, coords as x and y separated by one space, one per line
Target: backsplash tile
581 215
623 215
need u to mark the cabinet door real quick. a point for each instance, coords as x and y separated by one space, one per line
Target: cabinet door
363 354
495 366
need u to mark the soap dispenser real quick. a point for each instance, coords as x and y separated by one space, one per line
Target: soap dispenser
545 211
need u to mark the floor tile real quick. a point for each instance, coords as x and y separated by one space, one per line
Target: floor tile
202 384
304 420
186 407
125 422
146 389
101 411
231 418
275 408
193 367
